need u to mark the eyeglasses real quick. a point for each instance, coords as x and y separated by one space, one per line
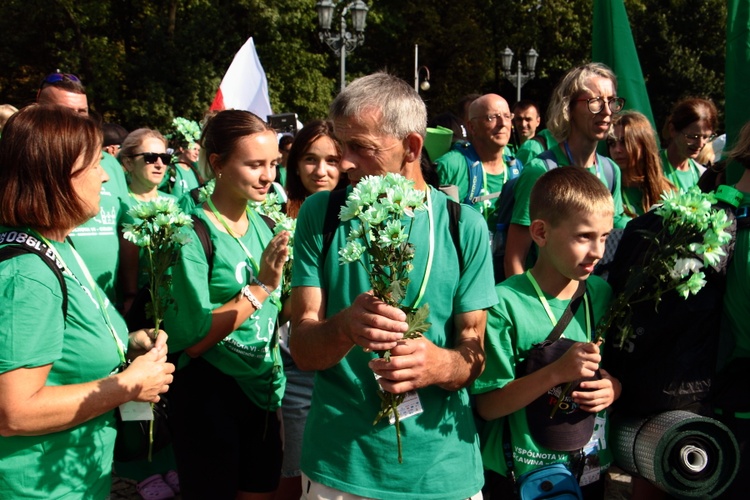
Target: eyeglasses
699 137
165 158
493 118
596 104
59 77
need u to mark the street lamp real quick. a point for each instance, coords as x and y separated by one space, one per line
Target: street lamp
518 79
343 41
425 84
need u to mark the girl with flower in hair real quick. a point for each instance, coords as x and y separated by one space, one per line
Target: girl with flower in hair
183 171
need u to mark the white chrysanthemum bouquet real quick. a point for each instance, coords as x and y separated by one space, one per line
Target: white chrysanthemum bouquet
693 236
384 207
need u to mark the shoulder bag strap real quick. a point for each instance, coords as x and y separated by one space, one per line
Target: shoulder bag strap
570 311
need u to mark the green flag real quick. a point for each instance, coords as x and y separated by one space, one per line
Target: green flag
737 75
613 45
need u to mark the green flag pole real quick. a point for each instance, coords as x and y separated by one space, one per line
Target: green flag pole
613 45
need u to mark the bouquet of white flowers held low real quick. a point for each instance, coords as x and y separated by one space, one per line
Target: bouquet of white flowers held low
693 235
159 231
382 240
272 208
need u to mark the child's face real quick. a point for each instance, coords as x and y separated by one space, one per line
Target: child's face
573 247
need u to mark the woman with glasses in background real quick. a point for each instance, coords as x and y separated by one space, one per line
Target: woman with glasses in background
688 129
580 114
632 146
144 156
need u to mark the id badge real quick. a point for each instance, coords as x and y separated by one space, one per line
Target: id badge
136 410
408 408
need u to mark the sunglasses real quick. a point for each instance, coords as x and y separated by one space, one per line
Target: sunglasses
60 77
165 158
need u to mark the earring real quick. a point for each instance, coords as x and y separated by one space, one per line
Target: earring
219 175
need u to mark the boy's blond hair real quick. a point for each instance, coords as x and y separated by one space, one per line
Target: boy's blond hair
567 192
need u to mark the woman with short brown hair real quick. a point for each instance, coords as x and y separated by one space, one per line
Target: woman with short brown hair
66 360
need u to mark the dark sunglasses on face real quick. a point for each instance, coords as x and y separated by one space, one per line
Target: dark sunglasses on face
166 158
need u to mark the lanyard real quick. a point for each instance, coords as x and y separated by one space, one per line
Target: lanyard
548 310
596 162
430 255
250 215
94 290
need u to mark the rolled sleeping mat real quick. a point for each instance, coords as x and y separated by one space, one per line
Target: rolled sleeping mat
681 453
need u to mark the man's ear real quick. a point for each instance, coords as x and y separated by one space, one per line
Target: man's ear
413 147
538 230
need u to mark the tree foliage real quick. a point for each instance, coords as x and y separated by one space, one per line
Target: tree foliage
146 61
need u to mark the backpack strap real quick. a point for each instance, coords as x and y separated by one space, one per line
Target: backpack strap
454 216
201 230
608 168
195 194
474 169
541 140
13 250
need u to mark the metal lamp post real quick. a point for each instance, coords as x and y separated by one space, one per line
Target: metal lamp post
342 42
518 79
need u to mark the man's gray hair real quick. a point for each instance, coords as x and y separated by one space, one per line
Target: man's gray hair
403 111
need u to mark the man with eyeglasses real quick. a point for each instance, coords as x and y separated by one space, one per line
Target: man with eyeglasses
483 168
97 239
580 115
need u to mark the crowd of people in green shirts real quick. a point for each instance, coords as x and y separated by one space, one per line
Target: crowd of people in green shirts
272 389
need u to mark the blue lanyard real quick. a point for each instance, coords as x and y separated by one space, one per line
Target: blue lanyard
596 162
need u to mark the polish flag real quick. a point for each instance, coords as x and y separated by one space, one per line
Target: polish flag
244 85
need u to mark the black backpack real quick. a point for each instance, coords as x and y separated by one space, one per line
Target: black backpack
670 364
20 242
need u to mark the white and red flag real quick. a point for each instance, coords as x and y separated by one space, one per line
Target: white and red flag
244 85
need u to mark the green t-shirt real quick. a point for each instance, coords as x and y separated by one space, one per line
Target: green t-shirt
632 198
736 317
538 167
516 323
681 179
97 240
179 180
250 354
127 203
341 447
75 463
452 169
533 148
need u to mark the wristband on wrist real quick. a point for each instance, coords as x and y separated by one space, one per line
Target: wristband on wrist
251 298
256 281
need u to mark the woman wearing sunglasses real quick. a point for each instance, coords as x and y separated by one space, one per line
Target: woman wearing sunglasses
580 114
144 156
224 415
688 129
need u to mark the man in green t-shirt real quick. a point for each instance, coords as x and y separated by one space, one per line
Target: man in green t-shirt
97 239
338 325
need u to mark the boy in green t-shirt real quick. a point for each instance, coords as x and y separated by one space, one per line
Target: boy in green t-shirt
571 216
